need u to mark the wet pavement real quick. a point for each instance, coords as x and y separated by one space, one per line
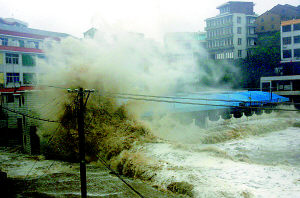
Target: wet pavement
33 176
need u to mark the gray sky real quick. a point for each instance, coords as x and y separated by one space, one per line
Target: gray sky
151 17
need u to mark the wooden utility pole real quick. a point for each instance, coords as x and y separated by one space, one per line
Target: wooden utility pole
82 144
80 121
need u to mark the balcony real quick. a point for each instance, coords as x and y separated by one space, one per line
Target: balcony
221 48
219 26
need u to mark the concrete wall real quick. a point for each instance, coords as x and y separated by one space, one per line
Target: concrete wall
16 123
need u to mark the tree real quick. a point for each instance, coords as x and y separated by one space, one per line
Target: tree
262 61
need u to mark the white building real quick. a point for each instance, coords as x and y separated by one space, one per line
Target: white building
290 41
289 83
231 34
20 50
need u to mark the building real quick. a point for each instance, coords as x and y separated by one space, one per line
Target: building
231 34
288 84
270 21
21 49
290 41
185 47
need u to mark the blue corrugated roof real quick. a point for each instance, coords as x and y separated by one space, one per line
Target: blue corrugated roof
225 100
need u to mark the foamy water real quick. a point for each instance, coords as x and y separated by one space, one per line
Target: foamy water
264 162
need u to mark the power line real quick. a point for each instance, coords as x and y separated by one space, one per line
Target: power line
119 176
29 116
189 98
52 86
201 104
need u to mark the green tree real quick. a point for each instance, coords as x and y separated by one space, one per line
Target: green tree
262 61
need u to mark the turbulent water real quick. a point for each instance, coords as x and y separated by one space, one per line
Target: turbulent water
257 156
254 156
263 160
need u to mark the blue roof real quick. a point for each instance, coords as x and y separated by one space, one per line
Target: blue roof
220 101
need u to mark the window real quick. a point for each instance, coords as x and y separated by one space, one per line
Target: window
262 20
251 30
4 41
287 53
296 39
251 20
12 77
273 26
286 28
239 30
297 53
272 18
12 58
28 60
251 42
33 44
36 44
286 40
239 20
29 78
297 26
262 28
21 43
239 53
239 41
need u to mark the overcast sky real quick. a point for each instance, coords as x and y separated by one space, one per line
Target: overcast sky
151 17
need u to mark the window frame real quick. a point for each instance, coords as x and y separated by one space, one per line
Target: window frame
240 53
12 58
12 77
286 28
286 40
297 53
4 41
239 41
296 39
296 26
239 30
284 55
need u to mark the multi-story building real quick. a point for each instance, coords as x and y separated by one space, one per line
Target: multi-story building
21 48
270 20
290 41
288 84
231 34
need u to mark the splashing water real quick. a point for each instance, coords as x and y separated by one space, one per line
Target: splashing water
243 157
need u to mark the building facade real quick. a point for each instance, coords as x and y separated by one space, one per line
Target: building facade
231 34
270 21
288 83
21 49
290 41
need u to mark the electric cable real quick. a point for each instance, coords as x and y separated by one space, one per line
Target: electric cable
29 116
201 104
119 176
189 98
30 170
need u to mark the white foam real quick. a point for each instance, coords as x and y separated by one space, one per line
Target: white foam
221 176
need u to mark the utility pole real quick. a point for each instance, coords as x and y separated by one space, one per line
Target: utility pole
80 121
82 145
